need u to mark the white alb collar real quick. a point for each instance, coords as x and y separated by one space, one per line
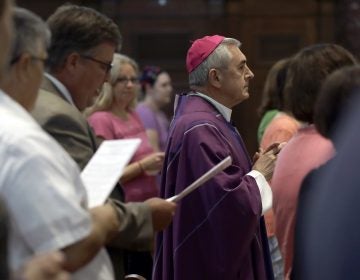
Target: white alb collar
224 111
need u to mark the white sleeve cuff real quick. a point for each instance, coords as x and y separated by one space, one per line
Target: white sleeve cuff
264 189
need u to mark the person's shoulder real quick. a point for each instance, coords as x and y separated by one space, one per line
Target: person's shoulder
144 111
309 133
142 107
50 98
202 116
17 125
198 118
49 105
285 121
196 125
25 138
101 116
135 115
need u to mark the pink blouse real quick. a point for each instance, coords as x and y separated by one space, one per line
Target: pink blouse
109 126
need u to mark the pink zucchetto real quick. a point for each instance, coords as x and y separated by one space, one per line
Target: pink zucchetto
200 50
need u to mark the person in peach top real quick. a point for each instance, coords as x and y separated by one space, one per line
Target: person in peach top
307 149
330 185
279 129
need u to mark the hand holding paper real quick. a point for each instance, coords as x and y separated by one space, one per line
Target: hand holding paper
204 178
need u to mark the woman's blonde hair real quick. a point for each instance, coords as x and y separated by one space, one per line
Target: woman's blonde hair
106 97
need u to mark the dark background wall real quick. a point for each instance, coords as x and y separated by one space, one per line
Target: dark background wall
159 31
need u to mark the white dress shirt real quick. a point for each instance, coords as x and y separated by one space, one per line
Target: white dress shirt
43 192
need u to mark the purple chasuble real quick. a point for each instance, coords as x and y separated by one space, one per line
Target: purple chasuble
217 231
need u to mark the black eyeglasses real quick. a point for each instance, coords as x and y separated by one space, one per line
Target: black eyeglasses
126 80
107 66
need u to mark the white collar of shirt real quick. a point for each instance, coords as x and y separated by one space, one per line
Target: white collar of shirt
224 111
60 86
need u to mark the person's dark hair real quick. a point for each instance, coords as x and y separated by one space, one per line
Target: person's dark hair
334 97
78 29
273 97
307 71
30 30
149 76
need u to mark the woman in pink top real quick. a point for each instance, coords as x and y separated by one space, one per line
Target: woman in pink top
307 149
113 117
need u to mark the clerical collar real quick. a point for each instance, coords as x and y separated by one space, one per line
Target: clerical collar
224 111
60 87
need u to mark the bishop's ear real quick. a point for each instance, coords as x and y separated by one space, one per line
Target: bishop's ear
215 77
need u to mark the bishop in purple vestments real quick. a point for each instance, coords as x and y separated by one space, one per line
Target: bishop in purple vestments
218 231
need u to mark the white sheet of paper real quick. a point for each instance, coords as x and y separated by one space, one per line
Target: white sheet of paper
207 176
106 167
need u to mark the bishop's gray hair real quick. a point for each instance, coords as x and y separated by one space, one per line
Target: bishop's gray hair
219 58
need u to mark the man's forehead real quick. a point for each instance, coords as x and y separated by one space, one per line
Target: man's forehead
104 49
237 55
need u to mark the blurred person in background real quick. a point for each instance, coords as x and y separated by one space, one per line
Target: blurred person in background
275 128
276 125
307 149
157 90
324 249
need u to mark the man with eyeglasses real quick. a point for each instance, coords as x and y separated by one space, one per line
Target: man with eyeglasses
27 59
80 55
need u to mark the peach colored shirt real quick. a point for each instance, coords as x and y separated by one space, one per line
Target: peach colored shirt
281 128
304 152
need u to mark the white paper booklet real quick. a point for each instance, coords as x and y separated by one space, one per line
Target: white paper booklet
105 168
204 178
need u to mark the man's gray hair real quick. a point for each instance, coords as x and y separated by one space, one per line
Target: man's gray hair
219 58
30 31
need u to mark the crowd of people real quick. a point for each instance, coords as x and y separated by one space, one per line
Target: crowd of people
283 213
42 153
